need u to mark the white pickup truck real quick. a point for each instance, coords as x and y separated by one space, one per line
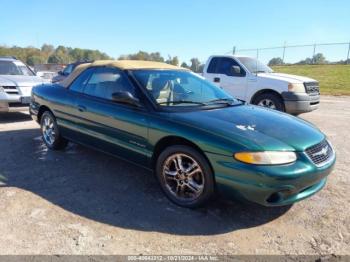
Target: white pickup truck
248 79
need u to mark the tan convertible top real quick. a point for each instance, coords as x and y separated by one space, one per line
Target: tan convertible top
121 64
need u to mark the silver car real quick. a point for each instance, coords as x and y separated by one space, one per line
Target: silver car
16 83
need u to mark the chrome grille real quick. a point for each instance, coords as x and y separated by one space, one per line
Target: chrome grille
320 153
312 87
11 90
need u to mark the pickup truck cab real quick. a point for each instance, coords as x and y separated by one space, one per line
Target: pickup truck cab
249 80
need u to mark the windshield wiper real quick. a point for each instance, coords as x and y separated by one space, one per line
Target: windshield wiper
227 101
181 102
221 100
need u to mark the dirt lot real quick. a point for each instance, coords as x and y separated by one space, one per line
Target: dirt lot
84 202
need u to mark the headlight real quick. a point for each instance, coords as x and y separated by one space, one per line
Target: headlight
266 157
297 88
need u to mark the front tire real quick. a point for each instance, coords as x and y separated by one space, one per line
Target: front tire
50 132
185 176
270 100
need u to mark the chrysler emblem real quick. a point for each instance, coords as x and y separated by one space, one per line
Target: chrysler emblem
324 152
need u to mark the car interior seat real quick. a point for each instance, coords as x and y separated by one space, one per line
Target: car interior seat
161 90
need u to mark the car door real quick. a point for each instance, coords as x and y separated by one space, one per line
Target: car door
231 77
65 109
117 128
210 73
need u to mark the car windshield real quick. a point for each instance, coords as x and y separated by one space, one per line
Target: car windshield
254 65
14 68
181 88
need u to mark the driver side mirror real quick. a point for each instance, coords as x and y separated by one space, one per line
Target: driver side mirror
126 97
235 70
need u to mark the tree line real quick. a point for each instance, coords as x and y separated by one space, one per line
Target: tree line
195 65
317 59
65 55
50 54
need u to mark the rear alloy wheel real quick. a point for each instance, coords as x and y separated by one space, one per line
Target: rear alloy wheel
50 132
185 176
270 100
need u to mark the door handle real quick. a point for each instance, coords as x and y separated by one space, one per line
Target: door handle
81 108
217 79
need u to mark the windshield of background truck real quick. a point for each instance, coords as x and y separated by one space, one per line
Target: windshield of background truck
254 65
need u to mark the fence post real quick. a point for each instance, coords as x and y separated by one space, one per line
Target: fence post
347 58
313 55
257 57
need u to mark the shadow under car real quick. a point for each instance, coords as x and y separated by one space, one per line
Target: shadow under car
108 190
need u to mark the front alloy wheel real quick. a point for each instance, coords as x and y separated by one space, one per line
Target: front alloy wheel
185 176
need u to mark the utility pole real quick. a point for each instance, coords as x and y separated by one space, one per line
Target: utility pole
347 58
233 50
284 51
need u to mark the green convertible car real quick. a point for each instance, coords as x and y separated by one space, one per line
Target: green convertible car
196 138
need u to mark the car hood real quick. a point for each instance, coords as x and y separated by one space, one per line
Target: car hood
20 80
286 77
253 128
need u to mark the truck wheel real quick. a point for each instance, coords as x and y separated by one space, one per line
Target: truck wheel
270 100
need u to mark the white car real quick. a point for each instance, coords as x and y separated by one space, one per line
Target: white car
248 79
47 76
16 83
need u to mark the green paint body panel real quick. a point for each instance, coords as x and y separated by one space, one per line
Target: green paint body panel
132 134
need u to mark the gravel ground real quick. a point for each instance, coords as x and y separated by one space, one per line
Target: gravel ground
84 202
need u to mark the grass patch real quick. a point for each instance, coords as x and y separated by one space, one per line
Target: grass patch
333 79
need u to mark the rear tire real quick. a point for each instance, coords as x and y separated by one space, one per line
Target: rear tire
270 100
185 176
50 132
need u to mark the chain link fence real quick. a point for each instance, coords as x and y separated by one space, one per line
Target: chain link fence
290 54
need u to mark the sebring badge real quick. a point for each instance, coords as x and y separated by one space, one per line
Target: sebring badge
324 152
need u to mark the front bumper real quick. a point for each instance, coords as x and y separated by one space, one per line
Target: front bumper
12 102
297 103
269 185
13 106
